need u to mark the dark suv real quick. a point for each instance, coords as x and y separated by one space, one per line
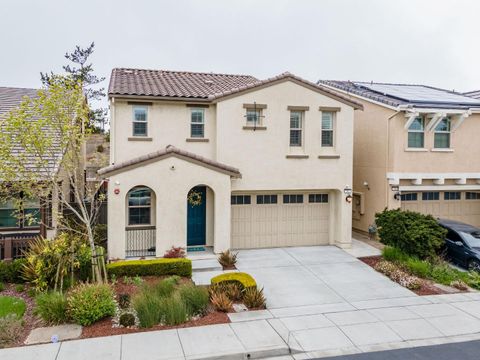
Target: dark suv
463 243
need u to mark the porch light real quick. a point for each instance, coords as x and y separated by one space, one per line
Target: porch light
348 191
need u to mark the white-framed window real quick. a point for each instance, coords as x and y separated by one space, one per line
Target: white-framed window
140 206
327 128
296 127
267 199
409 197
470 195
442 134
293 199
254 117
140 120
197 123
430 196
318 198
241 200
452 195
416 133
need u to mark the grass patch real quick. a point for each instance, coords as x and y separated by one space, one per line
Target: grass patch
12 305
51 307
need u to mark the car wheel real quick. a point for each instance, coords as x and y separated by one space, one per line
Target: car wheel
474 265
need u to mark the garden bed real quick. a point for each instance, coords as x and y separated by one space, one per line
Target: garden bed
427 287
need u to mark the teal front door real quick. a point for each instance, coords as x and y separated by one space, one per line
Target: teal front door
196 219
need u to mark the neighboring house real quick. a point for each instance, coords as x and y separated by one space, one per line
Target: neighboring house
416 147
475 94
228 161
15 232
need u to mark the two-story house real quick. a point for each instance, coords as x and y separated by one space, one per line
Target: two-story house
416 148
226 161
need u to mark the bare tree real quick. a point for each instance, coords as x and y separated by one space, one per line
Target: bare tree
42 151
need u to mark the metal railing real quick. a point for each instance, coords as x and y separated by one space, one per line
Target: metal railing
140 242
12 246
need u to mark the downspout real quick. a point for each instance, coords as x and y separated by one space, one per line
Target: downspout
387 157
112 131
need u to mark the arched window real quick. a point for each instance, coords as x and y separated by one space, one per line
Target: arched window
140 206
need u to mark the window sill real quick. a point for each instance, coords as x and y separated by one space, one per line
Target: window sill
329 156
200 140
140 227
249 127
442 150
297 156
416 150
139 138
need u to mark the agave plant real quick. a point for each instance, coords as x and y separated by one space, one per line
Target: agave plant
253 298
227 259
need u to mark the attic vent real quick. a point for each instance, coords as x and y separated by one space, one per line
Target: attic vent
128 71
208 82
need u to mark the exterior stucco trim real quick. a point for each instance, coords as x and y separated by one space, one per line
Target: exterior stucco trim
199 140
251 106
329 108
332 156
297 156
254 128
298 108
138 138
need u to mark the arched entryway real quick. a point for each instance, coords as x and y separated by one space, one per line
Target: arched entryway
200 202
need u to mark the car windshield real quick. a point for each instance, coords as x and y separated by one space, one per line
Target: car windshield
472 238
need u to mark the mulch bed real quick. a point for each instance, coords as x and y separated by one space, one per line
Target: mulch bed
427 288
104 327
30 321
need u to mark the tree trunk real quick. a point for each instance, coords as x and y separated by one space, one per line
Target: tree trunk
96 273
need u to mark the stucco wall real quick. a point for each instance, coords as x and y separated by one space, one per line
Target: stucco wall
171 188
168 124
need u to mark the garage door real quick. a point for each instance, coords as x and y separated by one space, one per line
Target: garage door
455 205
272 220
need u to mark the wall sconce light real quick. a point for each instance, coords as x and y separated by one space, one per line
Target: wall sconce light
397 195
348 192
365 183
116 191
117 182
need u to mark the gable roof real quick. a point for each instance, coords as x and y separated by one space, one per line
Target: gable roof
420 96
11 98
475 94
202 86
175 84
171 150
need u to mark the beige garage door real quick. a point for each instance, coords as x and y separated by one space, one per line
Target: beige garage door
454 205
272 220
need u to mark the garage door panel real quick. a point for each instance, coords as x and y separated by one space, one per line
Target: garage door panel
276 225
463 210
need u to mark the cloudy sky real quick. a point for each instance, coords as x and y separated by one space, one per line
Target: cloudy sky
433 42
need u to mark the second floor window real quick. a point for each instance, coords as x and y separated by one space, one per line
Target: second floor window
254 117
416 133
197 125
327 129
140 121
296 120
442 134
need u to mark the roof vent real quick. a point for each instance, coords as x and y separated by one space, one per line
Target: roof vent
128 71
208 82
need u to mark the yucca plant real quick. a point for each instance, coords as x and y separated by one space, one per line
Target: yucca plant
227 259
220 301
253 298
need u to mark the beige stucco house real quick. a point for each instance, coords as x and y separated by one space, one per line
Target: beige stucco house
415 148
226 161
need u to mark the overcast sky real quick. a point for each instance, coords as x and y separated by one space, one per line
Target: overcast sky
434 42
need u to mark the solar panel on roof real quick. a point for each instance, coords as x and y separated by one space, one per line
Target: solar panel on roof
418 93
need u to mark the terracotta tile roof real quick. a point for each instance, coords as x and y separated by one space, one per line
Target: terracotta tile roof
171 150
180 84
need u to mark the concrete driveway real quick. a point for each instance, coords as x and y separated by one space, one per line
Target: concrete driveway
302 276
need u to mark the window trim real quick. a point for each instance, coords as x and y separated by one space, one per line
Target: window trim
298 129
20 221
234 202
322 197
296 198
405 197
443 132
134 121
271 197
436 195
202 123
259 116
332 130
472 195
445 196
416 132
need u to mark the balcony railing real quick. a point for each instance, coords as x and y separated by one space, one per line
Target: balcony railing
140 242
12 246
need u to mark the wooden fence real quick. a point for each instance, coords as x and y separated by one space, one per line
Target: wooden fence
13 245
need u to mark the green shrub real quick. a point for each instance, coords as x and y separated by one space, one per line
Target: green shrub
444 274
11 328
147 307
2 286
88 303
173 310
195 298
157 267
127 319
394 254
19 288
244 279
12 305
51 307
414 233
11 271
163 288
124 300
